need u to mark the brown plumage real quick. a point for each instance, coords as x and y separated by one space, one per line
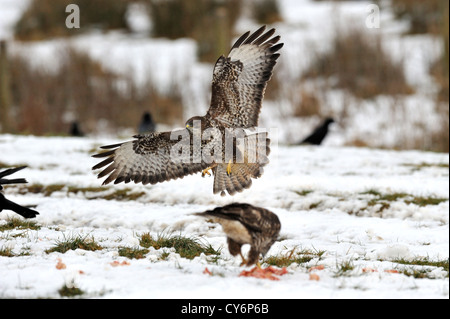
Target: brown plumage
238 85
246 224
148 159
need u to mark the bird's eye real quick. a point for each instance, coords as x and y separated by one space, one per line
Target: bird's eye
187 125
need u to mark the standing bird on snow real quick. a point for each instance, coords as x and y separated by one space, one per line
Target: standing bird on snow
9 205
75 129
246 224
319 133
147 124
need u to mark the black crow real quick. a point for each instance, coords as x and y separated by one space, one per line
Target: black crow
319 133
9 205
147 124
75 129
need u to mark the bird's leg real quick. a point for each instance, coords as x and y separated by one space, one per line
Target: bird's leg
244 261
206 171
229 168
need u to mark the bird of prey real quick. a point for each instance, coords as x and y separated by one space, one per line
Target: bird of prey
220 140
6 204
246 224
316 137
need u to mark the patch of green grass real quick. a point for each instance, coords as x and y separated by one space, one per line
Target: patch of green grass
95 149
164 256
6 252
417 167
315 205
187 247
385 199
76 242
40 189
420 267
372 192
76 189
4 165
132 253
117 194
16 223
424 262
123 195
416 273
286 260
48 190
69 291
344 268
303 192
299 257
31 188
424 201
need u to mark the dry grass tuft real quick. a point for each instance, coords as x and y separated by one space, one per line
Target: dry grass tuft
209 22
82 89
360 66
47 18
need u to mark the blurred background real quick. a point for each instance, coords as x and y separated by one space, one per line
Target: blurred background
382 75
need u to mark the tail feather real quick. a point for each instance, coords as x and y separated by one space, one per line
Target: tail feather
256 149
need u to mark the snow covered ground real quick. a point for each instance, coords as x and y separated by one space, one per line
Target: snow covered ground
322 196
358 207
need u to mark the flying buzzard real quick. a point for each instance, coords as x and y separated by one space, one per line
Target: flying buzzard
246 224
218 141
9 205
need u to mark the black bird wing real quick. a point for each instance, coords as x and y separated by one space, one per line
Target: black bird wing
10 171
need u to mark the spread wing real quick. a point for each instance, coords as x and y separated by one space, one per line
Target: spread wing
239 80
152 158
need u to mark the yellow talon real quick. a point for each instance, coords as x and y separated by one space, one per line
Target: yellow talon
244 261
206 171
229 168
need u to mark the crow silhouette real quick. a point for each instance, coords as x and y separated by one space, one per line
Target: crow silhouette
147 124
319 133
75 129
6 204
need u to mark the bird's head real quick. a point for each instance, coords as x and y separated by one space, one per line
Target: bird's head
196 122
329 120
265 246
